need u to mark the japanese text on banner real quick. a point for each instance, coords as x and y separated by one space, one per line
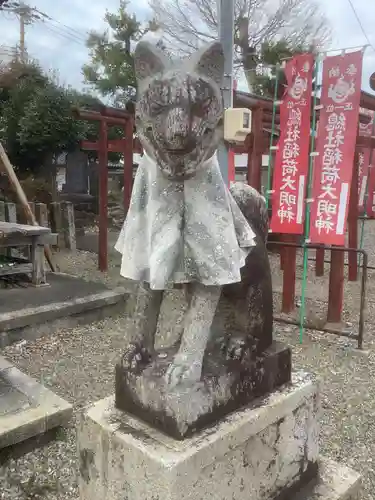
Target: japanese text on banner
291 159
338 124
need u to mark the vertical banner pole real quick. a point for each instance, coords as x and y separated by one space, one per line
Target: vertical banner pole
128 162
307 212
103 196
366 195
225 9
272 136
353 219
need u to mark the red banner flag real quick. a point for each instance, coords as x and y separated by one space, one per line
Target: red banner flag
291 159
338 123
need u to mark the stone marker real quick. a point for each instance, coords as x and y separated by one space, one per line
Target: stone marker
76 173
215 415
68 224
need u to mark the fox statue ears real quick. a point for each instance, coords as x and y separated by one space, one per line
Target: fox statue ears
148 61
208 61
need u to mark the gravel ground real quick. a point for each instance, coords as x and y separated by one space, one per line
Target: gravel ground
79 364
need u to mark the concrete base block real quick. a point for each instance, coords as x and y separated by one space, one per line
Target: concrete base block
268 450
27 409
335 482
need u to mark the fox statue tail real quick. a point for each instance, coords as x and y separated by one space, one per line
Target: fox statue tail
253 205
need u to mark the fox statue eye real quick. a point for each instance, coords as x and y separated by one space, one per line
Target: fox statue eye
155 108
199 110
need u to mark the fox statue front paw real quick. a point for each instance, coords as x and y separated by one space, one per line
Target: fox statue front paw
135 358
183 371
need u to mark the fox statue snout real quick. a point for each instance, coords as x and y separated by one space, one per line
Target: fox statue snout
180 135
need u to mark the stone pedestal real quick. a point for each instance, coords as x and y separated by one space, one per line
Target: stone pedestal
224 387
267 450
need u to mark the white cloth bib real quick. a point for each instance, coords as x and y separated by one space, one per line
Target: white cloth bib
180 232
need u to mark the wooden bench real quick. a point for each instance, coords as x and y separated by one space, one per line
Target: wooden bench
14 235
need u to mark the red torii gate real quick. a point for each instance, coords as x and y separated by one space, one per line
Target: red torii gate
110 117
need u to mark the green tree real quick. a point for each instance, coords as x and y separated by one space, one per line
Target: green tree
271 55
36 119
111 70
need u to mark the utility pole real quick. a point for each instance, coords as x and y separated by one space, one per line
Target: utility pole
22 36
225 9
26 15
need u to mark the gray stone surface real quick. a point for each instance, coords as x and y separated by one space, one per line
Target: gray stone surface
185 410
63 287
89 242
26 314
336 482
253 453
26 407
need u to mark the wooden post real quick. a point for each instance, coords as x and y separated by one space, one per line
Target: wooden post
128 163
289 260
28 250
68 225
39 274
10 216
254 165
11 212
282 259
353 222
13 179
55 215
319 262
336 286
41 214
3 251
103 197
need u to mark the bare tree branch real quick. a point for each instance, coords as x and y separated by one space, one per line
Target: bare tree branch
189 23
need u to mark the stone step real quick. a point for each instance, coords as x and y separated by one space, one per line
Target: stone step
26 315
335 482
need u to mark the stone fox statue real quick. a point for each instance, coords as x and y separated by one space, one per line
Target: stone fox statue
184 227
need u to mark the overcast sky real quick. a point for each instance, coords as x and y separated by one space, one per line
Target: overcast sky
67 53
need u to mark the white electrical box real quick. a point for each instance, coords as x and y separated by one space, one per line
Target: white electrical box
237 124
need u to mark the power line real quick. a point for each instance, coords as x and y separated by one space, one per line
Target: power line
29 15
361 25
80 35
63 34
